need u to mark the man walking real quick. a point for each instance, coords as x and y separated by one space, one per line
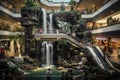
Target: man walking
49 73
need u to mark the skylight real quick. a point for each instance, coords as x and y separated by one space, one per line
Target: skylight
59 1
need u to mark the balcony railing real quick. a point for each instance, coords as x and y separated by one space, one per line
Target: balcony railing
107 5
10 12
114 27
40 31
10 33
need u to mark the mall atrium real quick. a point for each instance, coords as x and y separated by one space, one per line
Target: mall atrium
59 39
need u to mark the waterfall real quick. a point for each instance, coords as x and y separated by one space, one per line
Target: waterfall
44 43
47 47
50 44
48 60
43 52
51 23
44 21
51 48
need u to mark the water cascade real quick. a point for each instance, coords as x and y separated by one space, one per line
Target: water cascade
50 24
48 55
44 43
50 43
47 47
44 21
43 49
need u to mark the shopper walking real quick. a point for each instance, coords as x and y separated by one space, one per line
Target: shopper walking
63 77
49 73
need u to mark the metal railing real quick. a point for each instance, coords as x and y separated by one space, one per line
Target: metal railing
41 31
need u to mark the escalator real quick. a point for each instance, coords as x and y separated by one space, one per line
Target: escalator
107 63
101 53
104 64
95 57
103 60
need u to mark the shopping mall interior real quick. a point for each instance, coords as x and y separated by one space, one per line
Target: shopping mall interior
59 39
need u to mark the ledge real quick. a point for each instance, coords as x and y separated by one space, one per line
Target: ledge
2 32
115 27
107 5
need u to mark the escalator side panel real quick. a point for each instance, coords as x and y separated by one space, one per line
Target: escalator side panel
101 52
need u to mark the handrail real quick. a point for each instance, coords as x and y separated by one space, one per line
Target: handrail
107 29
10 12
58 37
103 56
107 5
10 33
95 57
110 64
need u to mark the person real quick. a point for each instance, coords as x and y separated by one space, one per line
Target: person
49 73
9 76
63 77
69 75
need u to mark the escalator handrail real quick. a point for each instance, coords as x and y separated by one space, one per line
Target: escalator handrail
106 65
107 60
95 57
60 36
110 64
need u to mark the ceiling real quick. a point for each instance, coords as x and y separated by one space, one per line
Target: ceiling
81 5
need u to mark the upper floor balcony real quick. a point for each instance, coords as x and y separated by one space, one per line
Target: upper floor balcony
14 13
112 30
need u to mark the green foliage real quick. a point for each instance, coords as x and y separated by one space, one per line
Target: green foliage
31 2
15 37
62 8
72 3
32 49
64 42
